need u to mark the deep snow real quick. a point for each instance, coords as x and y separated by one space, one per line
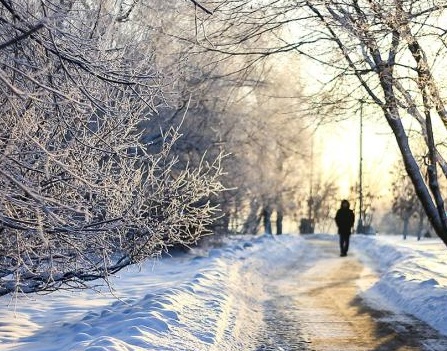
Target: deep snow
211 299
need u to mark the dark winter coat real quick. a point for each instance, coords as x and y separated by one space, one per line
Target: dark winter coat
345 220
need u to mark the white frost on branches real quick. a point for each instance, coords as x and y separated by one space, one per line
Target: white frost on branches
82 195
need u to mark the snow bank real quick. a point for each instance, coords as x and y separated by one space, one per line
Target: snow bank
203 300
413 275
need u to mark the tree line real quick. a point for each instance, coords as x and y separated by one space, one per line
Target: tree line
122 136
130 127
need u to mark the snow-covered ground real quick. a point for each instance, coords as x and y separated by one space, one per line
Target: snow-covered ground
413 276
211 299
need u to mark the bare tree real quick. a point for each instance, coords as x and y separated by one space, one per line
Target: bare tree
378 42
323 204
254 116
406 204
86 189
389 53
270 146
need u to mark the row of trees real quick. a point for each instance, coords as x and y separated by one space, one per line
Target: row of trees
120 131
387 55
122 122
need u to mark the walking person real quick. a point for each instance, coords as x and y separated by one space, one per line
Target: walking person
345 221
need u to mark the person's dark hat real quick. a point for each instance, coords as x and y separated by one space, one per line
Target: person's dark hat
345 202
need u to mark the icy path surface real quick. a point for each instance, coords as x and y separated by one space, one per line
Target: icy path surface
265 293
328 301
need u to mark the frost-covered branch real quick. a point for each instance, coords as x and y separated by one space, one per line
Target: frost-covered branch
82 194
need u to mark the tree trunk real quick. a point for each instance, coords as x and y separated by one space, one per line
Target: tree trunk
279 219
405 230
392 116
251 224
267 214
420 225
415 175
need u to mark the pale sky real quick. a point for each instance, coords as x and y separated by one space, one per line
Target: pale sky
336 144
336 147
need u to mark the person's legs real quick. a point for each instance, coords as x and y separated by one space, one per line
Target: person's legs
347 243
344 244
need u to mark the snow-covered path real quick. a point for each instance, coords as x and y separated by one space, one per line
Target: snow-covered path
314 304
331 315
252 293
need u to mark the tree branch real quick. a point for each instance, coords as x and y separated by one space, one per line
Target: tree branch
21 37
203 8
